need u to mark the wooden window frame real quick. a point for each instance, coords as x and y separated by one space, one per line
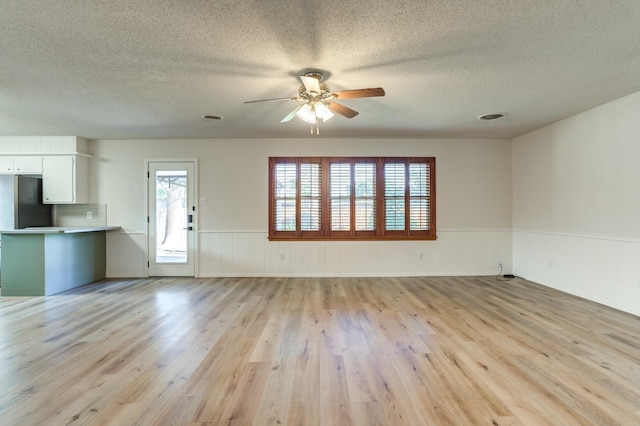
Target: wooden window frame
325 232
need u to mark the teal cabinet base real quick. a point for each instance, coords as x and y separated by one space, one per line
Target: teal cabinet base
44 264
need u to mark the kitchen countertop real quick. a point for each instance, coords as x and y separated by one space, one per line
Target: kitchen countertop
40 261
60 229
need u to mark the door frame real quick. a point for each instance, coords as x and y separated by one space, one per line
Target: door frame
196 222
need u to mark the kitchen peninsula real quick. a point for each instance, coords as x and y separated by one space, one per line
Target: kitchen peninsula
41 261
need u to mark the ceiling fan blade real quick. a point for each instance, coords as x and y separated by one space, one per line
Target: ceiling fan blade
289 98
342 110
291 115
360 93
312 84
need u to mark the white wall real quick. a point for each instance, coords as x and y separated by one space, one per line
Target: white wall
576 204
473 208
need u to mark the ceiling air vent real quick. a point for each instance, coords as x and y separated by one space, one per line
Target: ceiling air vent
491 117
208 117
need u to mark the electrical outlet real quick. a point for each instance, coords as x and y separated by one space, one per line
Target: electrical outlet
421 256
499 264
282 257
89 214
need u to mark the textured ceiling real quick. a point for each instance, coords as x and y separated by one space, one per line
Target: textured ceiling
151 68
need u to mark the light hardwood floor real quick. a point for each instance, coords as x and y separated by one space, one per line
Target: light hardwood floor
317 351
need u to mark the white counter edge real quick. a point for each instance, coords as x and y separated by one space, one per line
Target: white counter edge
60 230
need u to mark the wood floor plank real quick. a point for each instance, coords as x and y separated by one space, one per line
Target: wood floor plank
509 383
242 407
317 351
304 406
334 405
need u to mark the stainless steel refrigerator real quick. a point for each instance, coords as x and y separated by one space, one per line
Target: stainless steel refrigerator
21 204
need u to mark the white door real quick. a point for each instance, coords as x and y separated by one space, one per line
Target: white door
171 220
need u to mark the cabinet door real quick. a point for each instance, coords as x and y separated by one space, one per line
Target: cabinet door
58 180
6 164
27 164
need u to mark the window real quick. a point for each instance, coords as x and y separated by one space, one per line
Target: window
351 198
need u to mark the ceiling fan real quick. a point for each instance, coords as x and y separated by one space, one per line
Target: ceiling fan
319 101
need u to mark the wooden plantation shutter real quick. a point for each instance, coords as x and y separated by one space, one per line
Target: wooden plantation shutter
284 190
419 196
352 198
365 197
340 196
310 196
394 196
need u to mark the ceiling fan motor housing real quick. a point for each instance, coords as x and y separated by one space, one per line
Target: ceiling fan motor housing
325 93
315 74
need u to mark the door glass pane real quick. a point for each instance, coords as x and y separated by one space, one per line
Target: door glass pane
171 216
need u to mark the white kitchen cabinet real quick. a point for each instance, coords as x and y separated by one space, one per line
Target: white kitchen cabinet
27 164
65 179
20 164
6 164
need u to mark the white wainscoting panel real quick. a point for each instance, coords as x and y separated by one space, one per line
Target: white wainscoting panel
604 270
455 252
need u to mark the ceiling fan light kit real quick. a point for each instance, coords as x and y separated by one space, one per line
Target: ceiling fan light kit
312 113
319 105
